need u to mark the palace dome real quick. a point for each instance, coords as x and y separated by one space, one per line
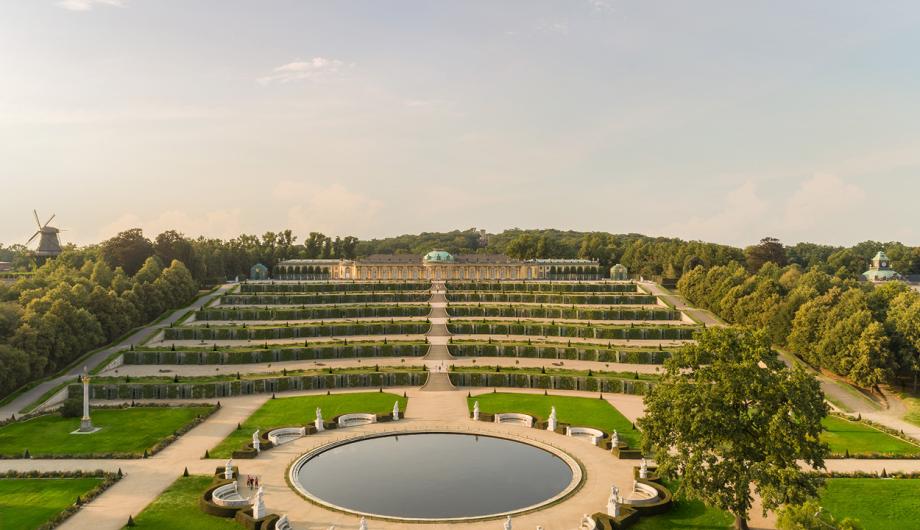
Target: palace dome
438 256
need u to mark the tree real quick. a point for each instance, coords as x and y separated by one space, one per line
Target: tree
904 320
128 250
769 250
729 417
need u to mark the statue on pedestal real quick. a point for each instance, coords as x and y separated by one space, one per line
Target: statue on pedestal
318 422
613 503
508 523
228 469
86 424
396 411
615 439
256 443
476 411
258 507
551 424
643 468
363 524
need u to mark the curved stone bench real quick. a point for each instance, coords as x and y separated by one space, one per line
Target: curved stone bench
358 418
229 496
514 418
593 435
650 493
286 434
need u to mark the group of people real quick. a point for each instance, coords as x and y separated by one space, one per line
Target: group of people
252 482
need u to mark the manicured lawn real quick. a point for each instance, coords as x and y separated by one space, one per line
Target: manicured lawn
129 430
177 507
29 502
576 411
844 435
686 514
879 504
284 412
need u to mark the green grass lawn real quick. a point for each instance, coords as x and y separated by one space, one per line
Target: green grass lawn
686 514
129 430
879 504
301 410
177 507
576 411
857 438
29 502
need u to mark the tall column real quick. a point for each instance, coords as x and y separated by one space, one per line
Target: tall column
86 424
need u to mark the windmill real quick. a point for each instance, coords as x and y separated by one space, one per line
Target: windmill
49 245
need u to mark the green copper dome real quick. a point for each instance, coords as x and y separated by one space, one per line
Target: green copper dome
439 256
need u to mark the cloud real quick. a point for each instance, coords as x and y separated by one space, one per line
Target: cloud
554 27
820 199
331 208
738 216
315 69
601 5
86 5
225 224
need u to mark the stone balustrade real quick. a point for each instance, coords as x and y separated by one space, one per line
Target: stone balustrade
513 418
286 434
358 418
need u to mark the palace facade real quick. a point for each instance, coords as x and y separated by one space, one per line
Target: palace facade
437 265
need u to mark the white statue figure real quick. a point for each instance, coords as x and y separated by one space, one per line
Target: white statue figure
283 523
476 411
508 523
551 424
643 468
615 439
363 524
228 470
258 507
587 523
318 423
396 411
256 444
613 503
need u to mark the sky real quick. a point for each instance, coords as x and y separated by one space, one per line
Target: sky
709 120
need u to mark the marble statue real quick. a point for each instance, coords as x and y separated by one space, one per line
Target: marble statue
476 411
258 507
363 524
396 411
228 469
508 523
613 503
615 439
283 523
256 444
318 423
643 468
551 424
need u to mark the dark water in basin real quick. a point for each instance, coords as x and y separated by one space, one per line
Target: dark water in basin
435 476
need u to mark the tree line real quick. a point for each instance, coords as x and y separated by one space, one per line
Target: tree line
75 304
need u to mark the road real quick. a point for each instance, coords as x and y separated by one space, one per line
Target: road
136 338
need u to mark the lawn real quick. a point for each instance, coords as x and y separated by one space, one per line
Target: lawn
30 502
128 430
686 514
301 410
177 507
857 438
879 504
576 411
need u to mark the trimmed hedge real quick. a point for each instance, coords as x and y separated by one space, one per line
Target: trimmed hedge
546 329
569 313
574 353
266 385
326 298
299 331
311 313
544 287
330 287
552 298
276 354
551 382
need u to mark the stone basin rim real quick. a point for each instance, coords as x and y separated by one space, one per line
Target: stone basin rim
578 475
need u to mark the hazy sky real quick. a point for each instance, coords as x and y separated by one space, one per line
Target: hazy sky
716 120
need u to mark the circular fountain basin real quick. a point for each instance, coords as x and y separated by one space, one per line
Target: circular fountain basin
434 476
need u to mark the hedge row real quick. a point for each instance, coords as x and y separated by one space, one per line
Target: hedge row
325 298
329 287
559 352
552 298
464 327
218 389
544 287
276 354
311 313
563 313
300 331
550 382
